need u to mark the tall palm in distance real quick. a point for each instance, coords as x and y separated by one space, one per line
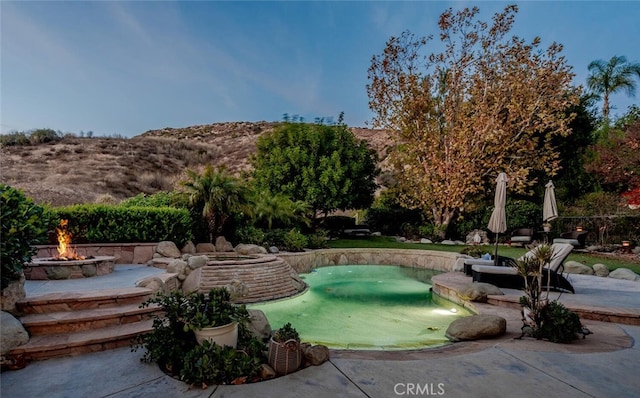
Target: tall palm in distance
607 78
218 193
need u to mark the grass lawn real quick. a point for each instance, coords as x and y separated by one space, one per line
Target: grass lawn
513 252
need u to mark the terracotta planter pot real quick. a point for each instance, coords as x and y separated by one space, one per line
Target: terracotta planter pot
221 335
285 357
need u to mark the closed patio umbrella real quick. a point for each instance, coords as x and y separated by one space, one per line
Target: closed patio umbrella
498 220
550 208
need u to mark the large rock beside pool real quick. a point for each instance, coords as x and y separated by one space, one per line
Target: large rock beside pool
574 267
259 324
12 332
624 273
245 248
600 270
168 249
476 327
478 291
223 245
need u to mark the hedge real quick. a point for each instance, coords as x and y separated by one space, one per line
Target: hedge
98 223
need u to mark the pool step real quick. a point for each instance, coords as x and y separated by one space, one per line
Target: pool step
72 323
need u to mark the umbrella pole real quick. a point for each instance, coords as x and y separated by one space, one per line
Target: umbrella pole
495 257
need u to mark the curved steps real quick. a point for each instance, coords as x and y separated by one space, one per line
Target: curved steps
261 279
63 324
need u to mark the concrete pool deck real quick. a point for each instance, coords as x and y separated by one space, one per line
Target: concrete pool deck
604 364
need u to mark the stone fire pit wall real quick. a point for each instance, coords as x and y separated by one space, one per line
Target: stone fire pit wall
48 269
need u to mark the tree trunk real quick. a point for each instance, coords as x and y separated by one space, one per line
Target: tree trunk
442 218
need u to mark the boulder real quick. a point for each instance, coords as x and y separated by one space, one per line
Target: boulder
168 249
267 372
425 240
195 262
476 327
12 333
177 266
259 324
574 267
315 355
448 242
601 270
273 250
478 291
205 248
624 273
477 237
245 248
13 293
223 245
188 248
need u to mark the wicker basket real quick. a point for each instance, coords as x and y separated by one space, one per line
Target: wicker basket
285 357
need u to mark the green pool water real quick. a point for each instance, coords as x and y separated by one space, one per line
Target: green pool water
367 307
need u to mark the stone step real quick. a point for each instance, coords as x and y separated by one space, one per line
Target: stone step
81 320
66 344
74 301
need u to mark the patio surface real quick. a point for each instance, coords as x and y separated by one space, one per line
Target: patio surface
603 364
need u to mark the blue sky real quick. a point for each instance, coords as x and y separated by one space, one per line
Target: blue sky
125 67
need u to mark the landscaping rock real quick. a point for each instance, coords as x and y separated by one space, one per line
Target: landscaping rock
245 248
601 270
188 248
195 262
259 324
223 245
478 291
205 248
12 294
574 267
177 266
168 249
315 355
425 240
267 372
274 250
459 264
376 233
476 327
12 333
624 273
448 242
477 237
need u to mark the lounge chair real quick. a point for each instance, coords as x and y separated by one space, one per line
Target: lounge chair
501 261
522 236
508 277
576 238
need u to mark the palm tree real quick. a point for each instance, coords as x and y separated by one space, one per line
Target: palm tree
279 208
610 77
218 193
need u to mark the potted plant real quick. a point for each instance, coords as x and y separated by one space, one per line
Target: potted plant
285 355
213 317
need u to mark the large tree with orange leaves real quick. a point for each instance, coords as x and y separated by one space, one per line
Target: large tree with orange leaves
487 103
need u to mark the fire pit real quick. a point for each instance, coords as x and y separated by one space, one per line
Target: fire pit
68 264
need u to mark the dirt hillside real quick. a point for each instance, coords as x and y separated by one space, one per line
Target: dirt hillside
83 170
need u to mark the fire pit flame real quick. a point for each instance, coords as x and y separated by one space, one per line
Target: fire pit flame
65 251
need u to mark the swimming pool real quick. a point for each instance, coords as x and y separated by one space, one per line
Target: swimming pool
367 307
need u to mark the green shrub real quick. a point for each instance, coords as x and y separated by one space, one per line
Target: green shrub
158 199
294 241
23 224
249 234
317 240
95 223
14 139
560 325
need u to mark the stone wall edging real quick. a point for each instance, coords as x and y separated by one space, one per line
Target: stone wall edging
304 262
